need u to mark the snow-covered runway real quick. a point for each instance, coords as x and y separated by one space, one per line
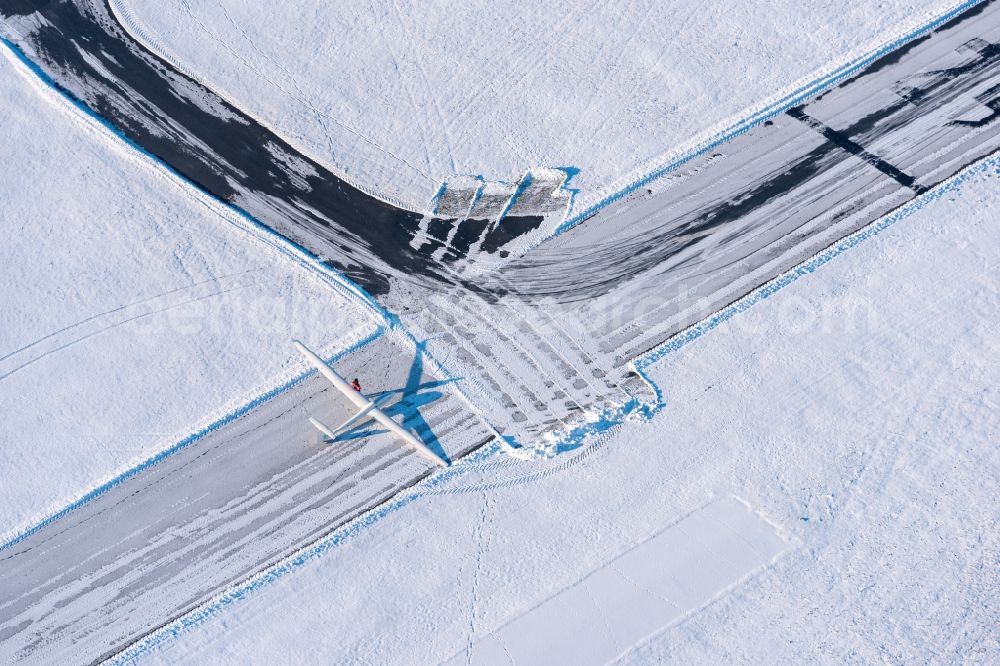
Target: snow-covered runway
217 512
638 593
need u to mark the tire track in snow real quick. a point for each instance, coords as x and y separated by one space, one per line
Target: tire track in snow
129 320
100 315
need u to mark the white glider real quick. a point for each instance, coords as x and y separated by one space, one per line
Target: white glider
368 409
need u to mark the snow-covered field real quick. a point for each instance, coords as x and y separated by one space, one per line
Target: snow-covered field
399 96
135 310
846 427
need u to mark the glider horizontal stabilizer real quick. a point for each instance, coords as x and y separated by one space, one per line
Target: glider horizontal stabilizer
355 420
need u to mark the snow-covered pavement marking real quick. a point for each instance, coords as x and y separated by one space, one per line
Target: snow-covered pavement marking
639 593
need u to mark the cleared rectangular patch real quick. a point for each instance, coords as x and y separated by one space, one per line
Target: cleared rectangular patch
640 592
